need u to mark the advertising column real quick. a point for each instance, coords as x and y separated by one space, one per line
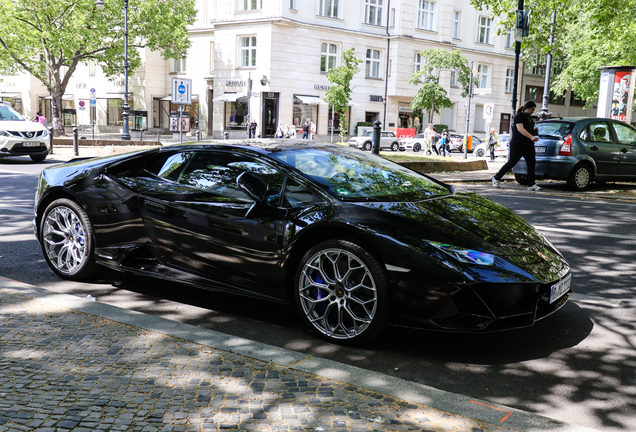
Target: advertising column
616 93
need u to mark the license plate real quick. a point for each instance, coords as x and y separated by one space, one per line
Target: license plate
31 144
540 150
560 288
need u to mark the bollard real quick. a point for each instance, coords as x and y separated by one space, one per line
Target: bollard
141 135
225 135
198 135
159 137
51 139
376 136
75 143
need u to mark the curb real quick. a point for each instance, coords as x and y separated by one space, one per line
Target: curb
452 403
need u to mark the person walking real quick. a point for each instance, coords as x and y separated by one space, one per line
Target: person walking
39 118
493 143
444 147
429 135
253 126
521 145
306 129
312 130
279 131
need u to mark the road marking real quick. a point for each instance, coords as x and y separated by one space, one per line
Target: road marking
498 409
584 233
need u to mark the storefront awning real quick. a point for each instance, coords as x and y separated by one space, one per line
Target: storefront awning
195 98
229 97
66 97
309 100
10 94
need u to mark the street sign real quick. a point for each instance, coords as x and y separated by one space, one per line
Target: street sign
489 110
482 91
82 104
181 91
522 24
92 90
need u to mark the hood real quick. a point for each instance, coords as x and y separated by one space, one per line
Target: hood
21 126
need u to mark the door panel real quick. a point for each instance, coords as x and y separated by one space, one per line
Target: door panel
627 147
598 142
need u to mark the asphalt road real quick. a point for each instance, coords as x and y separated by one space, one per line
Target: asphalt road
578 366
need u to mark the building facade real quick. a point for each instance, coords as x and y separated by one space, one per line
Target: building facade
267 61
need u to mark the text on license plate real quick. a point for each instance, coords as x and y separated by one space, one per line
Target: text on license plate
540 150
560 288
31 144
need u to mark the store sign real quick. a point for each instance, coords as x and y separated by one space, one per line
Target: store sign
322 87
374 98
234 83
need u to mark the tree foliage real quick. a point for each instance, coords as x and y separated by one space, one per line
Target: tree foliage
49 39
588 34
431 97
339 94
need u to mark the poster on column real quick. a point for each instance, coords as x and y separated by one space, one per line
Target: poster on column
620 96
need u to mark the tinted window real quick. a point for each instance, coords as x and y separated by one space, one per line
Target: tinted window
352 175
298 196
625 134
555 129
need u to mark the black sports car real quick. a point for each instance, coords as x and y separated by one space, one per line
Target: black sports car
354 240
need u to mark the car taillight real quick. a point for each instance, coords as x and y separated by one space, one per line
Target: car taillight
566 147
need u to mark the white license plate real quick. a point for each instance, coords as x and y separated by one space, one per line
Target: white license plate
540 150
31 144
560 288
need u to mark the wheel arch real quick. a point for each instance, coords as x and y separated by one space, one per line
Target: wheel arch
53 195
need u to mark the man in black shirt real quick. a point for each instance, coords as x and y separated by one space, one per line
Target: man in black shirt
521 145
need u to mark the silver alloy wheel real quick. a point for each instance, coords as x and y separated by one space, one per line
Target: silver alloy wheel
64 239
582 177
338 293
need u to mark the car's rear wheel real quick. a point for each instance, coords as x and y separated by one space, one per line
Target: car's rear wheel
522 179
342 292
580 177
367 146
395 147
66 236
417 147
480 153
37 158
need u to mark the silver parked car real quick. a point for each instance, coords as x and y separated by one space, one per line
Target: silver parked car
582 150
388 140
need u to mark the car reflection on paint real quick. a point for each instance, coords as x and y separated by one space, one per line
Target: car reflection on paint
354 241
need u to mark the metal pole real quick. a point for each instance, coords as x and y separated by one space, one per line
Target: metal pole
181 123
125 136
388 51
544 113
376 136
75 143
470 95
333 108
51 138
516 74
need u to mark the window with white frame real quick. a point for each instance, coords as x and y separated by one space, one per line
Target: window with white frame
453 78
510 39
178 65
457 18
329 8
426 15
250 4
372 69
510 80
248 51
373 12
328 56
292 4
417 63
482 76
483 30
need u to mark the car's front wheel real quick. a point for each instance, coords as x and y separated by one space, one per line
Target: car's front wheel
342 292
37 158
580 177
480 153
66 236
395 147
522 179
367 146
417 147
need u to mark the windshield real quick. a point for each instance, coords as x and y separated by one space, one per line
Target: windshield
555 129
352 175
7 113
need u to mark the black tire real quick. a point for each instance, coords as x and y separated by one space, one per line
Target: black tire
352 305
522 179
367 146
395 147
38 158
480 153
417 147
66 237
580 177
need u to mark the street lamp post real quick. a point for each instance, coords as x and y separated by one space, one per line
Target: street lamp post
125 135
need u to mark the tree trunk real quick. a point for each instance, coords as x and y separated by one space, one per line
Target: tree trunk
56 110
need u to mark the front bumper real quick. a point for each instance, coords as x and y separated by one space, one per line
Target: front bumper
27 147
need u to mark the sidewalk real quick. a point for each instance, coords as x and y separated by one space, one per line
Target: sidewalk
72 364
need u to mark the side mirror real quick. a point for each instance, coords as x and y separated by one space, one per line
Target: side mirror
253 186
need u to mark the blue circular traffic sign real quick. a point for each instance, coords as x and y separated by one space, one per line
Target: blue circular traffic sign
181 89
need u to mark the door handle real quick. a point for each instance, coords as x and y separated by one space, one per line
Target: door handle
594 148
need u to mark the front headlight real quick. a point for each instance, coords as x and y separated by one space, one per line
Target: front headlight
45 133
468 256
5 133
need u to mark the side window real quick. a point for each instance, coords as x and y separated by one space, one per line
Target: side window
169 166
626 135
598 132
298 196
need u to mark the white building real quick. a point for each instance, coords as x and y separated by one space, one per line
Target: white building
285 47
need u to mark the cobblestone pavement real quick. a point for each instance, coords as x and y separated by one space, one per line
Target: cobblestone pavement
62 369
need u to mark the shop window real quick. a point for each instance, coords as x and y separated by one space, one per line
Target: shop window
235 115
14 102
303 112
115 111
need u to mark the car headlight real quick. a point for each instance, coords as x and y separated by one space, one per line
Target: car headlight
468 256
5 133
45 133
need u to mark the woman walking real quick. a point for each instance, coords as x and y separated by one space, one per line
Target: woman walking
521 145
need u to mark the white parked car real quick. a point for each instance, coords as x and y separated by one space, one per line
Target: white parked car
415 143
388 140
19 137
483 149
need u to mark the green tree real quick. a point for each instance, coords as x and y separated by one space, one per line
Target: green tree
431 97
49 39
339 94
